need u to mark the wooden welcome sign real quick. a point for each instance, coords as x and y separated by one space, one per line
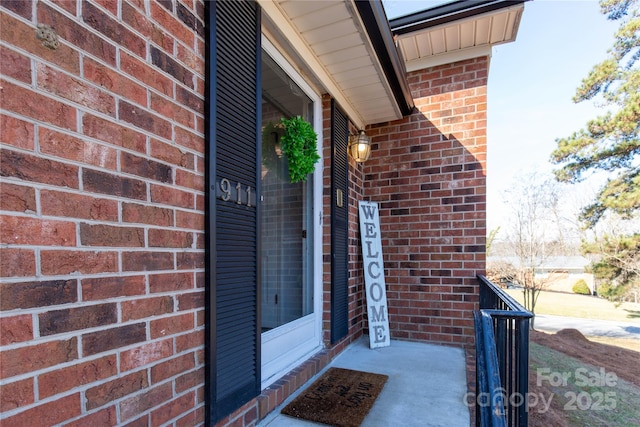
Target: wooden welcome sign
374 275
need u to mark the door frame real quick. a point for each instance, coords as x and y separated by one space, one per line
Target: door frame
306 331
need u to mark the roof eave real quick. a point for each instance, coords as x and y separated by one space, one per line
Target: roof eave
456 31
375 21
446 13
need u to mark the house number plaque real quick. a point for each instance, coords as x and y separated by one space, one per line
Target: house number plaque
235 192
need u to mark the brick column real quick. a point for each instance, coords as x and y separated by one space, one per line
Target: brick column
428 172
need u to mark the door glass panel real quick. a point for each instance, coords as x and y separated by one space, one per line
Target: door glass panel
286 217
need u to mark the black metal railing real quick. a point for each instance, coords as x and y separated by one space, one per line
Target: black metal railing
502 358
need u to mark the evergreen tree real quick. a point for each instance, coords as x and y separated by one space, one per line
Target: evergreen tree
617 266
610 142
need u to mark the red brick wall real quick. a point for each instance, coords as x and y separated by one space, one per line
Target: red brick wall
427 172
102 214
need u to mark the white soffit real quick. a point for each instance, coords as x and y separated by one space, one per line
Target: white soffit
459 40
329 37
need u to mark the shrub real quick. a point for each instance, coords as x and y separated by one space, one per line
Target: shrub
581 288
612 292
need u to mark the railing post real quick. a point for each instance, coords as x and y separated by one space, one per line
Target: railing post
502 355
489 412
523 369
482 417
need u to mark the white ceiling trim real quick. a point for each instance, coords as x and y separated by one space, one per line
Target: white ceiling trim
459 40
328 41
447 58
312 62
382 114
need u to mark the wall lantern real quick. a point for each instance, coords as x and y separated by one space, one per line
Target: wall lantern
360 147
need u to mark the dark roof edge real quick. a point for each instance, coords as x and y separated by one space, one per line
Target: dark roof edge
377 25
446 13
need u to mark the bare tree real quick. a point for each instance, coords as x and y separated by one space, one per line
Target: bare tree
534 203
491 238
503 273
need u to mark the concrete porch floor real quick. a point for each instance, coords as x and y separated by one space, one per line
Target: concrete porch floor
426 386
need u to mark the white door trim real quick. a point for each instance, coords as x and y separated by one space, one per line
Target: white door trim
285 347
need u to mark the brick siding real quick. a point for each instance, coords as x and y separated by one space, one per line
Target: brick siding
102 221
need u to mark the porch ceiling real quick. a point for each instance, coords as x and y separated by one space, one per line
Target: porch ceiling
332 42
346 49
455 32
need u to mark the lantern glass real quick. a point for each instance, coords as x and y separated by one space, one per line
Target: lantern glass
360 147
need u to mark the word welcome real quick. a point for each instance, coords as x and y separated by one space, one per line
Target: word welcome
374 275
352 398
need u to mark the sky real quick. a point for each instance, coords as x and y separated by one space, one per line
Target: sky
531 85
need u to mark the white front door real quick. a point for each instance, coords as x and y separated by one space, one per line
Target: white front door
290 276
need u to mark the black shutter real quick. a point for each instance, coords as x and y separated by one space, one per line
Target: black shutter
233 112
339 225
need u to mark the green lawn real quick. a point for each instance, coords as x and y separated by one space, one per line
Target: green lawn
582 402
588 307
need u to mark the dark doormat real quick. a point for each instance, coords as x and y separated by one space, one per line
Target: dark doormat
340 397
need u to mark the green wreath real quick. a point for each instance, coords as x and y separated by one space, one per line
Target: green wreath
296 139
299 145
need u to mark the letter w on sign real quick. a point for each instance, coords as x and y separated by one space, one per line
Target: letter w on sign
374 275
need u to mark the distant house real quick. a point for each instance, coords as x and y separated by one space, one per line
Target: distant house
157 265
559 273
